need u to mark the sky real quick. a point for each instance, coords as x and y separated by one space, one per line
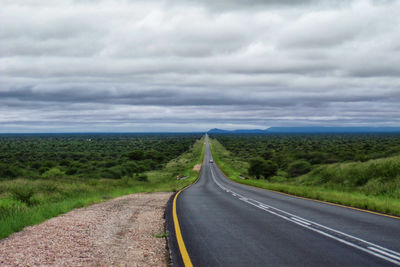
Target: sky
140 66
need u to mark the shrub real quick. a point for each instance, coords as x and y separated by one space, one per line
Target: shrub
268 154
130 167
23 193
112 173
49 164
53 173
110 164
298 167
49 187
142 178
71 171
36 165
65 162
136 155
9 171
154 155
126 179
256 167
259 166
269 168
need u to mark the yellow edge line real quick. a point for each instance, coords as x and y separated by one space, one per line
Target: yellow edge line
317 200
185 256
178 233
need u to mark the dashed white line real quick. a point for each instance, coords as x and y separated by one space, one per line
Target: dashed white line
370 248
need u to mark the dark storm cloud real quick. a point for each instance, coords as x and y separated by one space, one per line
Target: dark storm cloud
190 65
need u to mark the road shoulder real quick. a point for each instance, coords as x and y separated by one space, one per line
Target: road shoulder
124 231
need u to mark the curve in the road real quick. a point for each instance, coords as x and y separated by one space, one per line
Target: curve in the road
178 234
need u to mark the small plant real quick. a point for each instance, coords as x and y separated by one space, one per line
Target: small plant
298 167
49 187
53 173
162 235
23 193
142 178
126 179
10 210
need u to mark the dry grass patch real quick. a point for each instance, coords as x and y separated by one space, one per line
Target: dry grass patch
197 167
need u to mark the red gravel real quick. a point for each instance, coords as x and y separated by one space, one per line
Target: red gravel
119 232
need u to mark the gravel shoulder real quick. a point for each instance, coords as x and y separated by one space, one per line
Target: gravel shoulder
118 232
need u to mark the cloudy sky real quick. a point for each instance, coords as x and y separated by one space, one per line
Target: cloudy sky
127 65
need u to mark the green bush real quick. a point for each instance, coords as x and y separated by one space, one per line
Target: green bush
36 165
7 171
71 171
53 173
136 155
142 178
115 172
269 168
260 167
23 193
256 167
298 167
268 154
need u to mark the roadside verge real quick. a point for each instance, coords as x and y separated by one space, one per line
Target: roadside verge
378 205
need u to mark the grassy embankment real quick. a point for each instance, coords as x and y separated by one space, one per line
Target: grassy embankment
372 185
25 202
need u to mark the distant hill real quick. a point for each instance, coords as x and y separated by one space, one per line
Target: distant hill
334 130
310 130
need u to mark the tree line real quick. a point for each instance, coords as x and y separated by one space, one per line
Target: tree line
88 155
292 155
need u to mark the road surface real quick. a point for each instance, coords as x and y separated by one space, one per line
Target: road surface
222 223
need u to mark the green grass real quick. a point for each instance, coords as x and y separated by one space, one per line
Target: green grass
25 202
372 185
162 235
182 166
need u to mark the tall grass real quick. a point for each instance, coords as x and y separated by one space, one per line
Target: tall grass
379 177
25 202
372 185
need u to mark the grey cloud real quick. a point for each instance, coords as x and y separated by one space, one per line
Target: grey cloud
139 65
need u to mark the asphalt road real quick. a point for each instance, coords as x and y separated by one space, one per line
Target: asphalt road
223 223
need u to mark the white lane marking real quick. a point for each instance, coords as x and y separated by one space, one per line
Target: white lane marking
263 206
317 224
301 221
292 217
384 253
329 235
